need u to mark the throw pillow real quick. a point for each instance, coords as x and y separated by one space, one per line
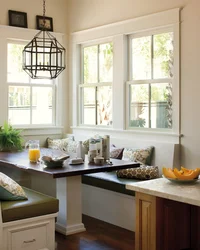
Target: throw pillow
66 144
115 152
141 173
10 190
86 145
58 143
143 156
72 146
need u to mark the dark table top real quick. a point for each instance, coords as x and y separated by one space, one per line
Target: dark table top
20 160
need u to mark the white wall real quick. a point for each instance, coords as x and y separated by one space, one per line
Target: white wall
84 14
54 8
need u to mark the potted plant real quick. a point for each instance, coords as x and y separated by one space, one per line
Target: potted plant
10 138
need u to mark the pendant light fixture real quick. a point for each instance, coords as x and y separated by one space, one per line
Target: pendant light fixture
43 56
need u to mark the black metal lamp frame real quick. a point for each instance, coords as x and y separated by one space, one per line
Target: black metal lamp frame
43 56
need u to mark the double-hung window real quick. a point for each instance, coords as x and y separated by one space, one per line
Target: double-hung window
30 102
151 73
126 76
96 84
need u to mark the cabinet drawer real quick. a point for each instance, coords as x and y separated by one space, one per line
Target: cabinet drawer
29 239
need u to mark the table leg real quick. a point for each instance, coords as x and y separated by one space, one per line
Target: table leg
68 191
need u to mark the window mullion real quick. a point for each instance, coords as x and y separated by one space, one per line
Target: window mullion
82 67
98 63
31 102
30 84
96 88
54 92
81 90
152 77
150 105
163 80
130 74
152 57
96 105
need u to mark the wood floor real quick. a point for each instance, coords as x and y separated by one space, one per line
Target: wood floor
99 235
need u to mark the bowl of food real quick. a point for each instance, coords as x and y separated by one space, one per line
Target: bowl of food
184 175
55 162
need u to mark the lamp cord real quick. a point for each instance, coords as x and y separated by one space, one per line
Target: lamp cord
44 11
44 21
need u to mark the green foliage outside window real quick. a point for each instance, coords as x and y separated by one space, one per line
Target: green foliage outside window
97 69
163 51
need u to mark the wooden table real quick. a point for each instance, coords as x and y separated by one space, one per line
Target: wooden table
68 183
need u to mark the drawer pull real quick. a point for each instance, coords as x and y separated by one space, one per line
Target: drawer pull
29 241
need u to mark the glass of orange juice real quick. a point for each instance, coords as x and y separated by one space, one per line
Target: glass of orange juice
34 150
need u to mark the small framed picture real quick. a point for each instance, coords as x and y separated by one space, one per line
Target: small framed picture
17 19
46 22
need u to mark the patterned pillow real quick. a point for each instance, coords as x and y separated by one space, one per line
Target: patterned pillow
58 143
66 144
143 156
72 146
115 152
141 173
86 145
10 190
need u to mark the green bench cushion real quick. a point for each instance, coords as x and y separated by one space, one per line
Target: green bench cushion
37 204
109 181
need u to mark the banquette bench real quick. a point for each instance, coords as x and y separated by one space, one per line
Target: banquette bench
28 224
105 196
108 181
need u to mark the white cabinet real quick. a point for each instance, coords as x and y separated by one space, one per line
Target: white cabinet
30 234
30 239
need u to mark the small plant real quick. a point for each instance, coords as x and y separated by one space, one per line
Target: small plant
140 122
10 138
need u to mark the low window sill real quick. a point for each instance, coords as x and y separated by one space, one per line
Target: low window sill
41 130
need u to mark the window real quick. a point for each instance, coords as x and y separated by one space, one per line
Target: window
30 102
96 86
136 65
151 70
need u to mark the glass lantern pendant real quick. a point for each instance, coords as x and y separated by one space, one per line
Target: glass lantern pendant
43 56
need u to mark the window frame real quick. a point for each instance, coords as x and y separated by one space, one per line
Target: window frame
148 82
119 33
10 35
83 85
32 85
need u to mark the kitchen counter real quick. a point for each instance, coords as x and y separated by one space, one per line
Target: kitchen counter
161 187
167 215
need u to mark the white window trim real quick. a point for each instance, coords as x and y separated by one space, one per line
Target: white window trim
7 34
118 32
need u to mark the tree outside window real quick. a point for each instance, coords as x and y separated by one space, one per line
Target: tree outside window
96 88
150 82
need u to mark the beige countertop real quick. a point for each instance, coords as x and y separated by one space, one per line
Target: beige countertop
161 187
